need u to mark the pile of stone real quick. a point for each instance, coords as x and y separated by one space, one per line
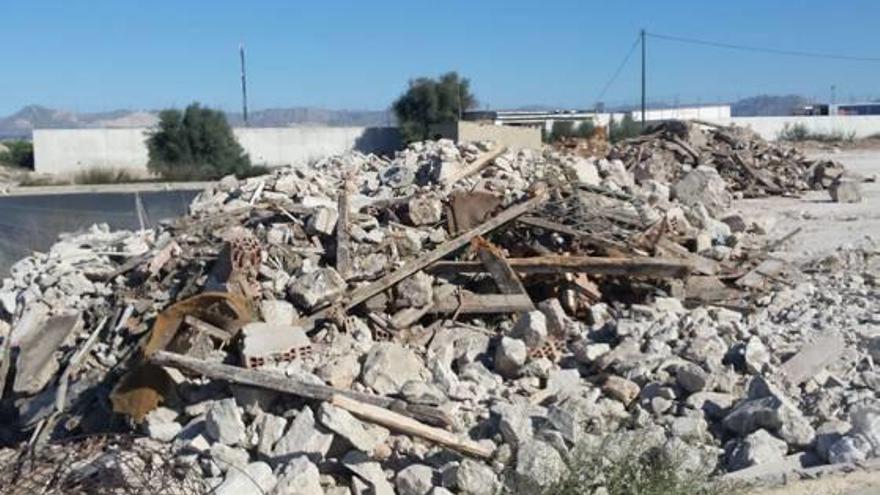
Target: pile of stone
452 319
750 165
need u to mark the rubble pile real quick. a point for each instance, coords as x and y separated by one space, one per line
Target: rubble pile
750 165
455 319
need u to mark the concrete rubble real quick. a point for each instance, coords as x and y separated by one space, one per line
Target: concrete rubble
418 344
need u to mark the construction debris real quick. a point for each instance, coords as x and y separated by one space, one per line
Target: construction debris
436 320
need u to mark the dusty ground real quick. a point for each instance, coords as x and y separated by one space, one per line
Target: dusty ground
825 225
857 483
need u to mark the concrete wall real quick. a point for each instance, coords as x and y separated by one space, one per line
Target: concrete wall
66 151
683 113
770 127
513 137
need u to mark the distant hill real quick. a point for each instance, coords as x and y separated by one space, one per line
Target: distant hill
22 122
767 105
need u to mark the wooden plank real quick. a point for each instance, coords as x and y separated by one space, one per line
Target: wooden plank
701 264
207 328
469 303
290 385
543 223
812 359
629 267
409 426
507 280
361 294
474 167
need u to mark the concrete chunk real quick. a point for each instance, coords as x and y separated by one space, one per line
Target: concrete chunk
37 364
321 287
264 343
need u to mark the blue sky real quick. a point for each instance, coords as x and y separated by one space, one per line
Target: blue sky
93 55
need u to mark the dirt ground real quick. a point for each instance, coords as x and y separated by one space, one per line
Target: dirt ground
825 225
857 483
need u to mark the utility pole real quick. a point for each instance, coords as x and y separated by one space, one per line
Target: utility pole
643 78
243 85
833 94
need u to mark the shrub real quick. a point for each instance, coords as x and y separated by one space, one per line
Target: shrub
793 132
565 129
18 153
196 144
632 469
799 132
102 175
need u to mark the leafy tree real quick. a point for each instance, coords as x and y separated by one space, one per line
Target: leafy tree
195 144
432 101
18 153
567 128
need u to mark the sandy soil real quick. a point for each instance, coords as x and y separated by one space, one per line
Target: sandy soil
857 483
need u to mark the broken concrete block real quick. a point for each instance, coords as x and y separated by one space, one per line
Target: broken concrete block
425 210
368 470
323 221
537 465
475 478
224 422
691 377
303 437
278 311
703 186
558 323
845 191
531 327
318 288
37 363
415 291
756 355
345 425
269 428
265 343
417 479
341 372
299 477
161 425
388 366
774 413
510 356
759 447
585 171
621 389
227 457
256 477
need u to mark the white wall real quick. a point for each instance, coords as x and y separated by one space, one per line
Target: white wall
769 127
683 113
65 151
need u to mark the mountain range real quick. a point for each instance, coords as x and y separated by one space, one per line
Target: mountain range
21 123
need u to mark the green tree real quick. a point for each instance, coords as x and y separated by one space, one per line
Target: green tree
430 101
195 144
18 153
626 129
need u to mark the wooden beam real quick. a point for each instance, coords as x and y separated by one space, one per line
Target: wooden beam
545 224
207 328
289 385
358 296
469 303
496 264
629 267
700 264
474 167
409 426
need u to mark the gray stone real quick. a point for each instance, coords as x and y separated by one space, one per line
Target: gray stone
323 221
774 413
689 429
416 479
714 404
425 210
270 429
621 389
37 364
760 447
256 477
845 191
756 355
849 449
303 438
475 478
866 422
828 434
415 291
315 289
510 356
368 470
691 377
419 392
588 353
388 366
160 424
350 428
558 323
341 372
224 423
537 465
227 457
703 186
278 311
531 327
299 477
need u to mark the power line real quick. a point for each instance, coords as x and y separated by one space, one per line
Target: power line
776 51
617 72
